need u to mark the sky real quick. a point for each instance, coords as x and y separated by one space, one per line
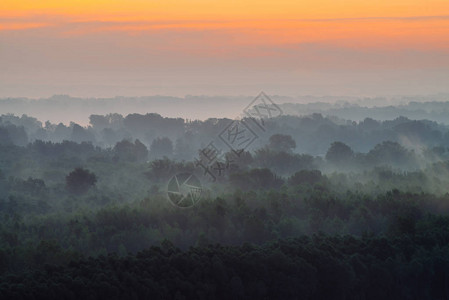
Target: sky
214 47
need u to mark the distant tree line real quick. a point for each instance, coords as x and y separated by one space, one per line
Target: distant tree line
180 139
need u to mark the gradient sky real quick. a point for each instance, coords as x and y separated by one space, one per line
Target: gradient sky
146 47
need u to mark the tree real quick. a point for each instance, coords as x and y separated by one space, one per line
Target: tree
241 161
98 122
161 147
389 152
11 134
80 180
256 179
369 124
129 151
61 133
281 143
140 150
282 162
79 134
339 153
4 136
183 149
306 177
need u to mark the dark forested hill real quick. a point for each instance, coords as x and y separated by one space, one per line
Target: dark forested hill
313 207
317 267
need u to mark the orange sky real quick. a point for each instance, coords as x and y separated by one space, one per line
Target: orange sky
188 9
105 42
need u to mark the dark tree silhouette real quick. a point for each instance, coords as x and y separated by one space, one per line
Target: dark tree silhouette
126 150
339 153
281 142
256 179
389 152
80 134
161 147
80 181
306 177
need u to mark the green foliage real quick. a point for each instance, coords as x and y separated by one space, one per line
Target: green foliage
161 147
128 151
277 224
339 153
390 153
316 267
306 177
80 180
255 179
281 142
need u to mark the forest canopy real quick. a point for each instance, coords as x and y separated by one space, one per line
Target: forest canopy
315 207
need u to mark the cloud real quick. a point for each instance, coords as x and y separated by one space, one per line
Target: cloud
373 53
12 26
409 18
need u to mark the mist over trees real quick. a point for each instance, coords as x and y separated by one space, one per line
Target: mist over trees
317 207
79 181
180 139
64 108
